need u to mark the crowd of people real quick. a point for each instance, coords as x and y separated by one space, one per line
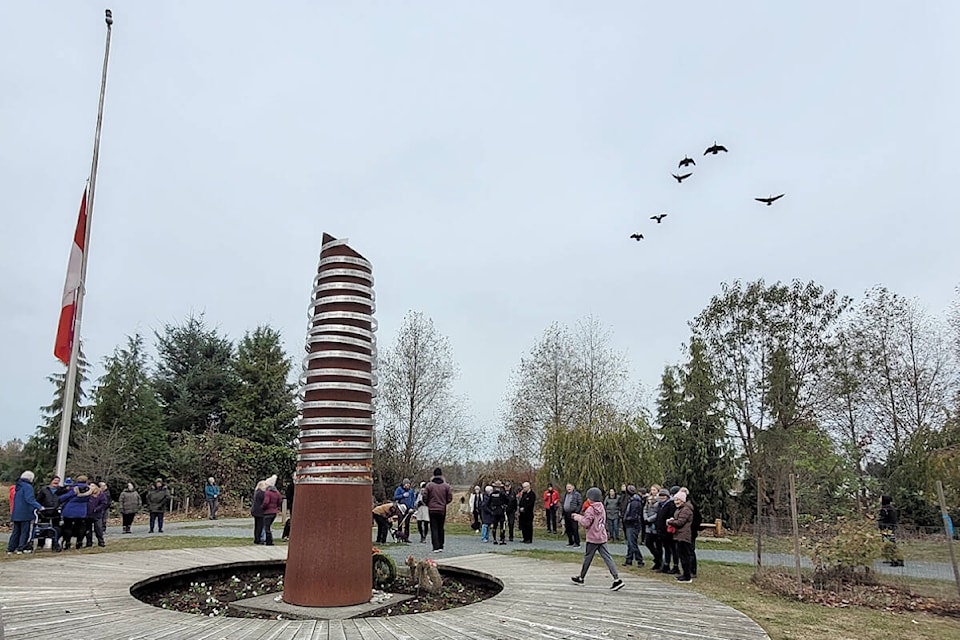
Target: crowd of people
663 520
72 512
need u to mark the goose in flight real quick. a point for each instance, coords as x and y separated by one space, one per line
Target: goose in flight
681 178
770 200
686 161
659 217
715 149
637 236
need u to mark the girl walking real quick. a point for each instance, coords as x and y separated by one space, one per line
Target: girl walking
594 520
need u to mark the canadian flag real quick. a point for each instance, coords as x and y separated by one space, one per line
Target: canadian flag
68 310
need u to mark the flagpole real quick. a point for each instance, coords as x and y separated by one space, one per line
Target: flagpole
71 382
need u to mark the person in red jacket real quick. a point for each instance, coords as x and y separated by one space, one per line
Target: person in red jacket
551 499
271 505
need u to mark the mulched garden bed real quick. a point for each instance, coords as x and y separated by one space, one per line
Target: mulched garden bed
210 596
872 594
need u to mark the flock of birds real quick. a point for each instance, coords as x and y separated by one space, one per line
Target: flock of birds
687 161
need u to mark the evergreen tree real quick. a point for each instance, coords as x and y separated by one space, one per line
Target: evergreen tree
40 452
708 468
194 375
126 414
262 408
674 438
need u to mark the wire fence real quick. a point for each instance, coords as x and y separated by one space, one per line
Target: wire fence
841 553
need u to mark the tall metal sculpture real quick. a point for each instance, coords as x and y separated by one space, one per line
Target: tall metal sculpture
328 559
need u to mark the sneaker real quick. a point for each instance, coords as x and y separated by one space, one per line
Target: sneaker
674 572
437 550
28 550
640 564
577 580
684 579
617 585
628 564
18 552
576 546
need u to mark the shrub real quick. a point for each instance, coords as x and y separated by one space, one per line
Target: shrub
846 550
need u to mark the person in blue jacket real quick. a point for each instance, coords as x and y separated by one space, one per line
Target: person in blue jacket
74 512
407 496
24 505
212 494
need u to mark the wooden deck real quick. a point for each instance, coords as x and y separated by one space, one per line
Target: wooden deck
88 598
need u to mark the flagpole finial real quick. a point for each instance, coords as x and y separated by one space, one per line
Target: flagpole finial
109 17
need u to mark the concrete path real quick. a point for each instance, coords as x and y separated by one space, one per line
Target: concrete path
459 545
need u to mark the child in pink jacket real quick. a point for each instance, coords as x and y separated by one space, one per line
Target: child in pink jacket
594 520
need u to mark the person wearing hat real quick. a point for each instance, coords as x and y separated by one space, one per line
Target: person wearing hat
594 521
551 501
24 504
632 523
406 495
665 511
438 495
682 524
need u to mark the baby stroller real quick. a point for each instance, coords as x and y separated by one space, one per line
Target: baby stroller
45 528
401 532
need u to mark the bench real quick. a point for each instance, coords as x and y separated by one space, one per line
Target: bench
716 527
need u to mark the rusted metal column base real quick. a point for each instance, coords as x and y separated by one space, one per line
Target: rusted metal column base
328 560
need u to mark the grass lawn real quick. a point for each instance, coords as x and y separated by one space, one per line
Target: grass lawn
142 544
784 619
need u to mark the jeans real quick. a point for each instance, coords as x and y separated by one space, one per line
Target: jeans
484 533
156 517
633 549
437 521
613 528
20 536
268 528
212 504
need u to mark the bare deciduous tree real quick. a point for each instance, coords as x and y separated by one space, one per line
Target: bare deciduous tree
421 421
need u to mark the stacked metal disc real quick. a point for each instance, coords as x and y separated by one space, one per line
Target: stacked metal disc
328 560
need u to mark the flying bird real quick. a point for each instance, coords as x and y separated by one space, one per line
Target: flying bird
659 217
681 178
637 236
686 161
715 149
769 201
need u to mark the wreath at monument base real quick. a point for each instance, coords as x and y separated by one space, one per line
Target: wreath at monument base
384 570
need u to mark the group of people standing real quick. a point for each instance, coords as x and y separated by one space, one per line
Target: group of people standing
499 508
77 510
426 504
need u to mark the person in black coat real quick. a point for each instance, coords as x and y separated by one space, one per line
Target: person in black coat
526 502
665 511
497 505
511 508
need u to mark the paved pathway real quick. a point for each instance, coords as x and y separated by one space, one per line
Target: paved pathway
88 598
458 545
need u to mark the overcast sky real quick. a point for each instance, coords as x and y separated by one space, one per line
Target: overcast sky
491 160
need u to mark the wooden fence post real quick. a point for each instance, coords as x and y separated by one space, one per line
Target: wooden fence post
758 551
948 530
283 511
796 532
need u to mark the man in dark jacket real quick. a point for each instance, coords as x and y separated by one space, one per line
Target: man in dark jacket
497 504
157 501
632 523
24 504
511 508
526 502
49 497
437 496
571 503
